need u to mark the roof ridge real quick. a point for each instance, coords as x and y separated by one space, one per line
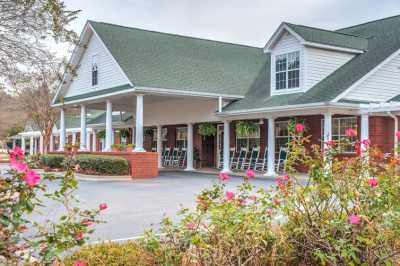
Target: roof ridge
176 35
368 22
330 31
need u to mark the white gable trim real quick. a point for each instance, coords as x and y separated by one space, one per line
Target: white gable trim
77 55
276 36
331 47
110 54
366 76
193 93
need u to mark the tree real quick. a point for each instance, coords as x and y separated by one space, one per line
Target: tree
25 28
35 93
11 114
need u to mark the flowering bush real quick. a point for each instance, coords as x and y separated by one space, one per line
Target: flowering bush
21 193
346 213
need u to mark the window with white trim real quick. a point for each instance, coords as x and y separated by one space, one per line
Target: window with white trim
339 126
164 133
248 142
95 71
287 71
281 134
181 137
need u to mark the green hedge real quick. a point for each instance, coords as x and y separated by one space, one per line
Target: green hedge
53 161
115 254
102 164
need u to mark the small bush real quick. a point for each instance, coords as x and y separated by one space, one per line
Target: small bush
102 164
53 161
115 254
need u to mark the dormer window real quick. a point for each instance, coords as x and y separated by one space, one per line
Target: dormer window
95 72
287 71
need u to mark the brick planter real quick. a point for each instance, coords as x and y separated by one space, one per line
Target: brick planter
141 164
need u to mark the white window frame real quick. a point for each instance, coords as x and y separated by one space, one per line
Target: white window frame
277 136
286 71
302 71
94 64
256 136
164 134
337 137
180 139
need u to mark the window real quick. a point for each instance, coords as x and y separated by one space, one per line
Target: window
164 133
287 71
248 142
339 126
181 137
95 72
281 134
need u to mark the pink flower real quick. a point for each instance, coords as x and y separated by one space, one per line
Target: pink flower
299 127
191 226
229 195
78 236
31 178
330 142
103 206
224 176
250 173
354 219
19 166
398 135
80 263
87 222
253 197
351 132
373 182
365 142
17 153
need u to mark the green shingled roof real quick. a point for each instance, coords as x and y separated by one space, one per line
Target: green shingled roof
327 37
383 40
161 60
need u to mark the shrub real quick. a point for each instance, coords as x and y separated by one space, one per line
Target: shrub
111 253
348 213
102 164
53 161
33 161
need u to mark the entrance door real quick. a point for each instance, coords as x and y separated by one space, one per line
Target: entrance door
220 144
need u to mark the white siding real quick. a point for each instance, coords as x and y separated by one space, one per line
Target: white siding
382 85
109 74
286 43
321 63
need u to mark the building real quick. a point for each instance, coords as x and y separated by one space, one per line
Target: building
331 80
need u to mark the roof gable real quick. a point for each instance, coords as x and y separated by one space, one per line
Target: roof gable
160 60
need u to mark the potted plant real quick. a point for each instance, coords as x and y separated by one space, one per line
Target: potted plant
75 147
148 132
115 148
130 147
246 128
207 129
101 134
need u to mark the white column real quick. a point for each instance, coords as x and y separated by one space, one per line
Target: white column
94 141
41 145
108 140
327 128
62 130
83 128
219 104
14 143
88 141
31 151
227 167
51 144
139 123
364 130
159 146
133 135
73 138
189 157
23 146
271 147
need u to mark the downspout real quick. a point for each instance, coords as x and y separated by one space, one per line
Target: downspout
396 126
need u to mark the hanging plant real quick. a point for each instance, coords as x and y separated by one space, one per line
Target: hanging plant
101 134
124 132
148 131
207 129
246 128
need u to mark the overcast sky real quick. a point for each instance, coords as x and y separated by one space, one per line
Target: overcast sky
248 22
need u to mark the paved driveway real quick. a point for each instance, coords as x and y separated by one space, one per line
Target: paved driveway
136 205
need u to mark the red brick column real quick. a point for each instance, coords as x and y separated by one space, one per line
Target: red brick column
144 165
